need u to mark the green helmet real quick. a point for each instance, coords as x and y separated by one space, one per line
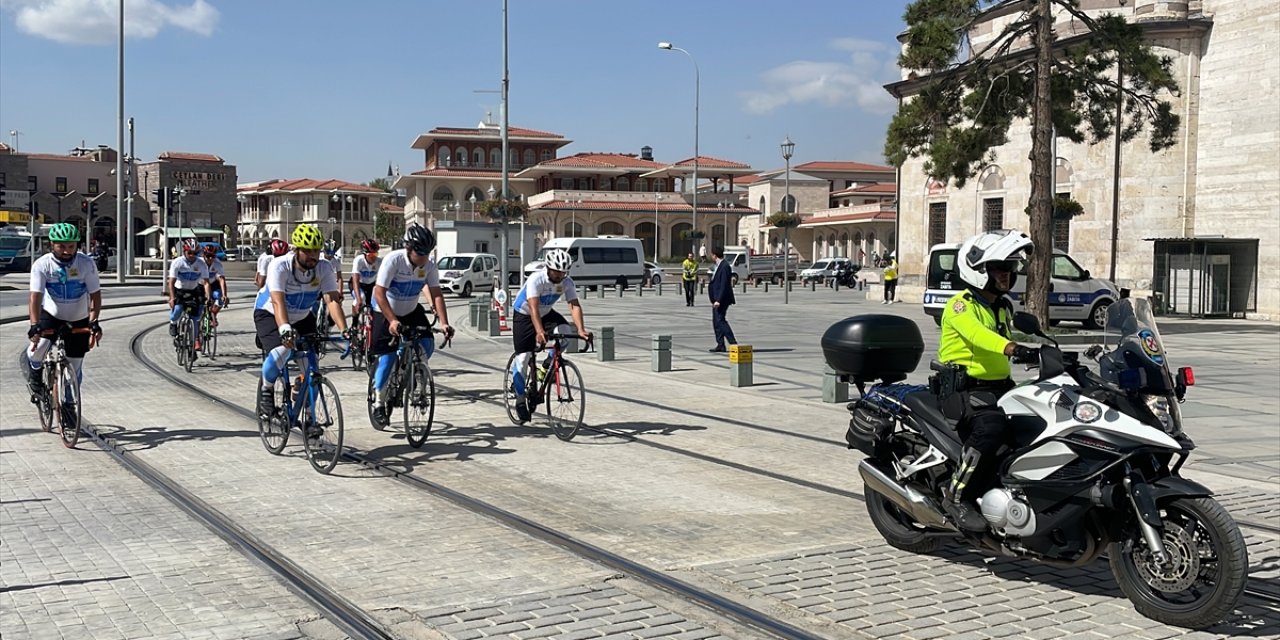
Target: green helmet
64 232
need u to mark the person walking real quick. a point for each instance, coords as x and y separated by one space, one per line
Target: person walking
720 290
891 279
689 278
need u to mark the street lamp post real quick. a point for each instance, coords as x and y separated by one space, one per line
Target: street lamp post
343 202
788 148
472 200
332 221
656 199
697 83
285 231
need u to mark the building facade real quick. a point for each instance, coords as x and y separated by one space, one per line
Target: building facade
345 211
1199 223
210 191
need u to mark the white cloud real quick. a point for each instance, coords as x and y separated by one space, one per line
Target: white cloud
97 21
856 81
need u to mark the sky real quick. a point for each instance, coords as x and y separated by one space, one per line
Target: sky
339 89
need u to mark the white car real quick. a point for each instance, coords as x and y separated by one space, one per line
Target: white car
822 269
465 273
652 274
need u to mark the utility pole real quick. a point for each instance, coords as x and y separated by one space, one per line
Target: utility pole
506 164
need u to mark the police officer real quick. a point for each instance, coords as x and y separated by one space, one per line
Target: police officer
689 278
975 336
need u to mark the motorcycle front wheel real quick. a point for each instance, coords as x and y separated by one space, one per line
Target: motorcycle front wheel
1208 565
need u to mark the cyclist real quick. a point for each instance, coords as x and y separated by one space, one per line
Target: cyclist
294 282
188 286
278 248
534 316
401 278
217 282
331 254
364 270
64 292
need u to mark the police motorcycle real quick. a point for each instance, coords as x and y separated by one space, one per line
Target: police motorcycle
1093 469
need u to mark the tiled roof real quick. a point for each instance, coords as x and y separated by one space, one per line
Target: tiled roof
511 131
755 177
873 188
307 184
715 163
592 159
827 165
643 207
392 208
199 157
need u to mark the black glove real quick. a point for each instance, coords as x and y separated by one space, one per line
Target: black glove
1025 355
96 328
349 333
449 332
33 330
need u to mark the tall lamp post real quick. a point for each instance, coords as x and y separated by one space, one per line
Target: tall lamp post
285 232
472 200
788 148
343 201
332 221
657 197
697 83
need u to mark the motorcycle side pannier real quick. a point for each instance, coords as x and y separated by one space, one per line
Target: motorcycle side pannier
873 347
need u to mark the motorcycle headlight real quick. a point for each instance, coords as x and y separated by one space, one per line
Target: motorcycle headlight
1166 412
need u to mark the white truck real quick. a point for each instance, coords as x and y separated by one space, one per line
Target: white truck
455 237
771 267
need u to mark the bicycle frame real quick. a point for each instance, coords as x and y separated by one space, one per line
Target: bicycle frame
553 370
310 372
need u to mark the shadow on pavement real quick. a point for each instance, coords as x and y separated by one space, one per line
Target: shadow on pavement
61 583
632 430
1249 619
151 437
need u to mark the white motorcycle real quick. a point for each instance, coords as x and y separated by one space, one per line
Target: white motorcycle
1094 466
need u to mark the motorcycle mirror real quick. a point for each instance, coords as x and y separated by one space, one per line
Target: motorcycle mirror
1027 323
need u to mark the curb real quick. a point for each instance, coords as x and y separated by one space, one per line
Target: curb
105 307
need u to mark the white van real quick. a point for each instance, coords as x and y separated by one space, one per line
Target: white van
603 260
822 270
464 273
1073 293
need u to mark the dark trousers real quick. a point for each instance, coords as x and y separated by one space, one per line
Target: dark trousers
689 286
721 326
890 288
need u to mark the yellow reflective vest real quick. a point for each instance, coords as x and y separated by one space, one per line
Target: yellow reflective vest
690 270
974 335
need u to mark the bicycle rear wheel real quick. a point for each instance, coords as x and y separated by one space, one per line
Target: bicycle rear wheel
44 401
322 426
566 400
358 345
509 391
419 402
274 430
68 405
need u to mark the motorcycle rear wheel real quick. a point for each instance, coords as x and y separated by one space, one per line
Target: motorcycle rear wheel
898 528
1208 569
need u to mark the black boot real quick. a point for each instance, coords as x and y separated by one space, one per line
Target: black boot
267 401
35 384
965 511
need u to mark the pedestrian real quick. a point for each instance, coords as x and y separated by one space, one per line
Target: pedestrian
720 290
702 252
890 278
689 278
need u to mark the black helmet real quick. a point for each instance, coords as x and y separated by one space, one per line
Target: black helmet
419 239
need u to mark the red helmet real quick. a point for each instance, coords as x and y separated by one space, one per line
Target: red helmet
369 245
210 251
279 247
191 245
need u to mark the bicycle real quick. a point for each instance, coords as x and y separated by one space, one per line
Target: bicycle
61 389
209 334
361 322
310 404
185 342
412 387
561 385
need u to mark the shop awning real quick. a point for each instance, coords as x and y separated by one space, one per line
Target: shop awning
184 232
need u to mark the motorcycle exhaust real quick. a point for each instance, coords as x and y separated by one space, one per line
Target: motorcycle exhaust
918 505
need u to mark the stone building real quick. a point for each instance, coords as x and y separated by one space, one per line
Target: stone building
210 185
1199 223
345 211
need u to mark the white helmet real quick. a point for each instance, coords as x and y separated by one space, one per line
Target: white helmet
987 248
558 260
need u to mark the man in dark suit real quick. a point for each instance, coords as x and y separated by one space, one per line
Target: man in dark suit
721 293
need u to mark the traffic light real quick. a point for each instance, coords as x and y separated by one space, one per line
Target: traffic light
93 208
2 197
174 199
84 206
159 196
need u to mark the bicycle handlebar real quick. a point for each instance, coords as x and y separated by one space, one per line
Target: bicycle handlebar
561 337
412 333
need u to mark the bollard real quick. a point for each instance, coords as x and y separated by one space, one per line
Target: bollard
740 365
659 288
833 389
837 285
661 352
619 288
604 346
483 320
789 288
471 313
813 285
640 292
766 287
744 287
495 329
600 288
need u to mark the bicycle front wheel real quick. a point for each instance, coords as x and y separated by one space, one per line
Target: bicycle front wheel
566 400
68 405
419 404
509 397
44 401
274 429
322 426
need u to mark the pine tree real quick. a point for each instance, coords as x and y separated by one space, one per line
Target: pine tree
1076 86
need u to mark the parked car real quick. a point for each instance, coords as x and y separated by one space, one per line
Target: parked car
652 274
603 260
823 269
464 273
1074 294
222 255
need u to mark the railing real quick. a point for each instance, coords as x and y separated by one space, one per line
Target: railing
649 198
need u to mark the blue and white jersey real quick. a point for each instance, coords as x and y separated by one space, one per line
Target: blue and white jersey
188 276
547 292
66 287
263 261
404 282
301 287
216 270
368 271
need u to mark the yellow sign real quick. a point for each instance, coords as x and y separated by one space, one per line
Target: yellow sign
740 354
15 217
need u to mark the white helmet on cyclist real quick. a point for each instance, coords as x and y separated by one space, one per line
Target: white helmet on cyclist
558 260
991 249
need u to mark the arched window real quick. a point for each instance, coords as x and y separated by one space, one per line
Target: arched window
717 235
477 156
546 155
871 242
495 158
660 185
832 251
565 183
515 158
610 228
680 245
789 203
443 195
844 245
442 157
622 184
461 158
763 206
530 158
572 230
645 233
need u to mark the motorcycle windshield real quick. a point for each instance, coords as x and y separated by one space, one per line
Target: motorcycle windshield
1137 359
